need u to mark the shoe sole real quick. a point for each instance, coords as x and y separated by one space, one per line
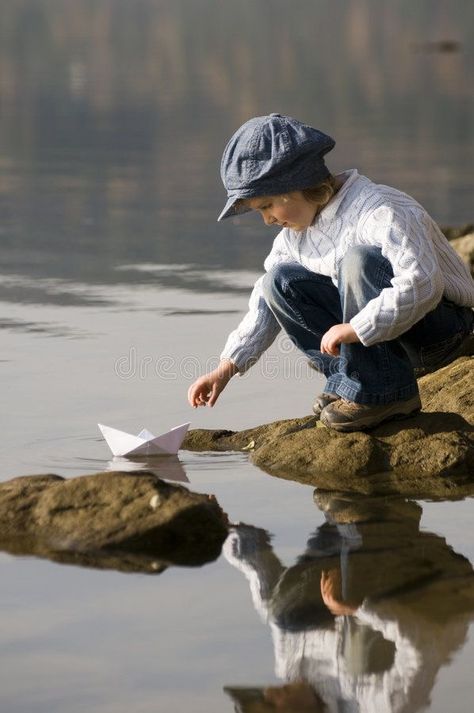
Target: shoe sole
363 424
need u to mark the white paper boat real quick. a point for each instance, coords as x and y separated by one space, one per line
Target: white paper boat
145 444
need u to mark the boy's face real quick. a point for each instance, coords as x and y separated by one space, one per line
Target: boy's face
290 210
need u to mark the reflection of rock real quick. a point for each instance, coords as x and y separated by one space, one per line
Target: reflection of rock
130 562
431 454
130 522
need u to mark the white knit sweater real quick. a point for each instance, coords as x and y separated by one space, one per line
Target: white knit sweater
425 266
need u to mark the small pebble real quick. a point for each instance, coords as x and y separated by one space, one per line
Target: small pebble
155 502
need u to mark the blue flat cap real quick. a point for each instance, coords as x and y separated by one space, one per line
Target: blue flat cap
271 155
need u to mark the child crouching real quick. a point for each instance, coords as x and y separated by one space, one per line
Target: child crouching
360 278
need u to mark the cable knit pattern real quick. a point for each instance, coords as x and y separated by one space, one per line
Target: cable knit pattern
425 266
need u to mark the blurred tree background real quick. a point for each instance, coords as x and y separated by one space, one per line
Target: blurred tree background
114 114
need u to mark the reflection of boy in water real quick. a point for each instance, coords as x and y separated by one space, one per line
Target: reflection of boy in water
365 618
297 697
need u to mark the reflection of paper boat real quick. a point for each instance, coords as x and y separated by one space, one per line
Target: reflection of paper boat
145 444
169 468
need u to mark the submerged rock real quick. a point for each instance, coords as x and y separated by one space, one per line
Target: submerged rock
124 521
429 455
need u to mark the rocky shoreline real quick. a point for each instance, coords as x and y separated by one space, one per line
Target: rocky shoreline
462 240
430 455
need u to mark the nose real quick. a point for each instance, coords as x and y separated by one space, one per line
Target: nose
268 219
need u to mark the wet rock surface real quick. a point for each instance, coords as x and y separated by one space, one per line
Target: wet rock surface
429 455
113 520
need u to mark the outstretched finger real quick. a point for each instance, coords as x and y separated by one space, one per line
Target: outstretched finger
191 395
214 395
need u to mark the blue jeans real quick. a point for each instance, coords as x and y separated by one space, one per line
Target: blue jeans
307 304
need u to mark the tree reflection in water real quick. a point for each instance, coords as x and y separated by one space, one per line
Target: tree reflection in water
367 615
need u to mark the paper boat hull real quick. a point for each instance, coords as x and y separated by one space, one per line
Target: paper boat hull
145 444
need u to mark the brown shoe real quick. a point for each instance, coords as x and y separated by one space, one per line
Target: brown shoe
348 416
322 401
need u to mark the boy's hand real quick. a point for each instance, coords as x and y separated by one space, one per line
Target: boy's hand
336 335
331 593
205 390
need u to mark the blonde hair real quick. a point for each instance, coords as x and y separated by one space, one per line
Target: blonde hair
320 194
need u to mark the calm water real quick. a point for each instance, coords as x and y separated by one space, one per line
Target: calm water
117 288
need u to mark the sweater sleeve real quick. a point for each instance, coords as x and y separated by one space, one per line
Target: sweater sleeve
259 328
405 235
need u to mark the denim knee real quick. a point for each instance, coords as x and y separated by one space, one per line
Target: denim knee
358 260
278 278
361 263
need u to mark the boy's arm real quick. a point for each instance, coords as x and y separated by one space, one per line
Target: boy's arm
246 344
255 333
259 328
243 348
417 284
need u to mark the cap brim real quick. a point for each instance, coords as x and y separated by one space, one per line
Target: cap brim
230 209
